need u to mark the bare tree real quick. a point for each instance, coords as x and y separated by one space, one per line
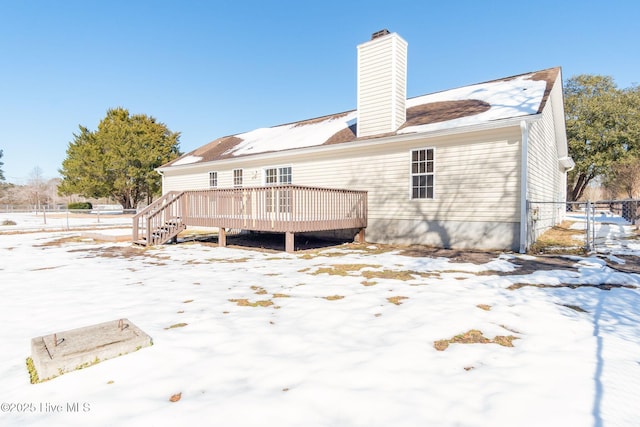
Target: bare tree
624 178
37 188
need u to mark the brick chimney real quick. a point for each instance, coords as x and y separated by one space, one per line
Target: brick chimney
382 84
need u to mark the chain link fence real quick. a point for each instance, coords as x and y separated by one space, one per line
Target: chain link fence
589 217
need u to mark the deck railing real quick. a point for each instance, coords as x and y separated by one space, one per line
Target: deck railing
284 208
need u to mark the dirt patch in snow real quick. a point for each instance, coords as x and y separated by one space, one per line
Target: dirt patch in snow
453 255
603 286
631 264
539 263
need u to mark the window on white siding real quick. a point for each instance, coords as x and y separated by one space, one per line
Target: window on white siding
213 179
274 176
271 176
284 175
422 173
237 177
278 200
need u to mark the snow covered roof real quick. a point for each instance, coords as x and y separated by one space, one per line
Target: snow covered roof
510 97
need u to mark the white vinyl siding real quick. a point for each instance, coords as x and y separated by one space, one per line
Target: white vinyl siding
382 65
477 178
547 180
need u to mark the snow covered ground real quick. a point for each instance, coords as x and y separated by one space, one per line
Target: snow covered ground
336 337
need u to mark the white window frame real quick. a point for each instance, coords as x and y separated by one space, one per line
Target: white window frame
213 179
237 183
281 201
425 173
278 175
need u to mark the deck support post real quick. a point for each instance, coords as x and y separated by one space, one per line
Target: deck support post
222 237
360 236
289 238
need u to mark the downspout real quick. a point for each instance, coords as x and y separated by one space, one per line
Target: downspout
524 173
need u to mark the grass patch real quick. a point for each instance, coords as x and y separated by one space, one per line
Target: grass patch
33 374
8 222
474 336
333 297
243 302
484 307
339 251
62 240
559 239
397 300
228 260
390 274
352 269
281 295
177 325
259 290
341 269
369 283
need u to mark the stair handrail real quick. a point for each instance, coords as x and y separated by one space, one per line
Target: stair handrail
141 219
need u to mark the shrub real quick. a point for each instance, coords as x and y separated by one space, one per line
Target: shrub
80 205
8 222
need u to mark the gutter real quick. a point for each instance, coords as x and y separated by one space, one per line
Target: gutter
524 172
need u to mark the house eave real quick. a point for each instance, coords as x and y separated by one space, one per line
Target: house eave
360 144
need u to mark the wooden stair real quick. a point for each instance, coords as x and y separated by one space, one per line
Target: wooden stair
164 233
159 222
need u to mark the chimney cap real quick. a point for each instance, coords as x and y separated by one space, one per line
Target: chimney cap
380 33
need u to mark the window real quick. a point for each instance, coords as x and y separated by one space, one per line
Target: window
271 176
213 179
285 175
237 177
275 176
278 200
422 173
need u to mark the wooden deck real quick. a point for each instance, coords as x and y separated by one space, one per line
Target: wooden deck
287 209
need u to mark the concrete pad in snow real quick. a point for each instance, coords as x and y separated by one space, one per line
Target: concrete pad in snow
66 351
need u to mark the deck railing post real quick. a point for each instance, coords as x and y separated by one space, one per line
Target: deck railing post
289 245
222 237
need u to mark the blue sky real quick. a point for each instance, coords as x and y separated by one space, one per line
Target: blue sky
214 68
